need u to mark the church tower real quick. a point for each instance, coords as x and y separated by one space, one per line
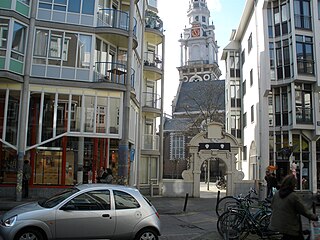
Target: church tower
199 49
199 54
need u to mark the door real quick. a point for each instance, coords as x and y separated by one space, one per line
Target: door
86 216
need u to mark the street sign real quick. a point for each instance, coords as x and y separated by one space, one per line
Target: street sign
217 146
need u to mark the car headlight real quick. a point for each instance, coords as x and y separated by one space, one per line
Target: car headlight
10 221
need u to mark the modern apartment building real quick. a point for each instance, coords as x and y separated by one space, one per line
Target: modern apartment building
79 90
272 90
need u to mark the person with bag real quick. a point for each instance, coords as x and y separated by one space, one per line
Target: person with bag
287 206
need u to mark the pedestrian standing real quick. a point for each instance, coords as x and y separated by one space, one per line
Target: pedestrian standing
26 177
273 184
268 178
287 206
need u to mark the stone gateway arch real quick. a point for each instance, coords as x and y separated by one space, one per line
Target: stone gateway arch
213 143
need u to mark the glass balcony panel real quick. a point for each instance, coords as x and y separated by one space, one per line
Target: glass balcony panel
150 142
152 100
115 19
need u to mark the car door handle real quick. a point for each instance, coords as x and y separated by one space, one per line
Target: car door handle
105 215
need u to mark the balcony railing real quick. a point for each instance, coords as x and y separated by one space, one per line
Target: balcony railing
112 72
153 21
150 142
153 60
115 19
152 100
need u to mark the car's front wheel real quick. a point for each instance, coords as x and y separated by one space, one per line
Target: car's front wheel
29 234
147 234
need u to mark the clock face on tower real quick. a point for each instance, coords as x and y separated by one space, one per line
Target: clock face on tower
195 32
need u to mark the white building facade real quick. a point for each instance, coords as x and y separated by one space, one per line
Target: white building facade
272 90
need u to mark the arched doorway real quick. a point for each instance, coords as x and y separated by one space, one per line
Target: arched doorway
214 143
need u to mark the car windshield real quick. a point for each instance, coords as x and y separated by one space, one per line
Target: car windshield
58 198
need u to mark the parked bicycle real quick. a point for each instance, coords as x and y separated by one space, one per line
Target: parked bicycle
230 201
221 184
240 221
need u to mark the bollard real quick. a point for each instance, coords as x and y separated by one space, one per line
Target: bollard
151 189
218 198
185 202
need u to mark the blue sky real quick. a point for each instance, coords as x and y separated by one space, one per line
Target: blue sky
225 15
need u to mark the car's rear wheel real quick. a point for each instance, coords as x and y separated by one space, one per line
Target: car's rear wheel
147 234
29 234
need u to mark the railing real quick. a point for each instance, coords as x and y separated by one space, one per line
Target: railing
150 142
115 19
153 21
153 60
152 100
112 72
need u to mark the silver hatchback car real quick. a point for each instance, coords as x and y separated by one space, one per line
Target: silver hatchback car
88 211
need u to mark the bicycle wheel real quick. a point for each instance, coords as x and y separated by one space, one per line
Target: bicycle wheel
232 225
226 203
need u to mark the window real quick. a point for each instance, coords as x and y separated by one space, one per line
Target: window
90 201
41 43
283 59
251 77
124 200
250 43
4 25
234 60
244 87
243 53
304 51
84 51
244 120
177 146
74 6
303 102
18 41
302 14
318 9
272 61
203 19
235 126
270 28
252 113
270 110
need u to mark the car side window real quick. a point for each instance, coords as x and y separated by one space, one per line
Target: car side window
93 200
124 200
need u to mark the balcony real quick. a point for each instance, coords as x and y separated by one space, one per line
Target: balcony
154 28
151 104
113 25
112 72
152 66
150 142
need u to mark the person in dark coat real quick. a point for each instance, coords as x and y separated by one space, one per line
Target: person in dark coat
287 206
267 178
273 184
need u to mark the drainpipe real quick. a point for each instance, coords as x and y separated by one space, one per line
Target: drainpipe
140 123
22 135
161 119
124 142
